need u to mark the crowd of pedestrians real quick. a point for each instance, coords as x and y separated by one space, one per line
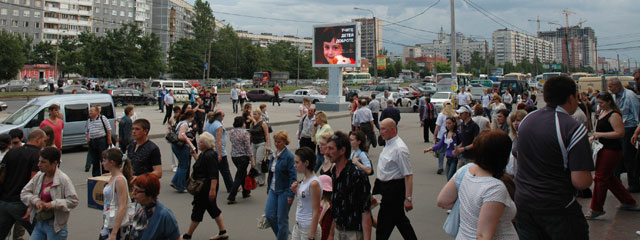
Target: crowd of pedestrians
506 179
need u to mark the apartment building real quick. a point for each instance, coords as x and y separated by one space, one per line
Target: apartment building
442 47
581 43
266 39
367 43
512 46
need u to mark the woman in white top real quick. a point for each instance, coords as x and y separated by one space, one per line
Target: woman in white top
117 198
496 105
486 208
441 129
304 107
309 192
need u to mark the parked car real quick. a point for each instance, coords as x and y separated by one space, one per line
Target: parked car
260 95
317 88
79 88
45 87
398 100
300 94
126 96
15 86
439 98
320 82
245 83
3 106
180 88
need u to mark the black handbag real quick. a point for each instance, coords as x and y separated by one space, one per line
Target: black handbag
264 164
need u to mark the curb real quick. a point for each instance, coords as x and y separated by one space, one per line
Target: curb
161 135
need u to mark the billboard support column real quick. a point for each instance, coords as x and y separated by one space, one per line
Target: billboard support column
335 86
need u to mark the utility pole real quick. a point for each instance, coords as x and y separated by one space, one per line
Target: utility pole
535 46
375 48
618 72
486 58
454 67
298 53
213 32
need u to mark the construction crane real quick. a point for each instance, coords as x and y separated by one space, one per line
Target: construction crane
566 14
581 22
538 20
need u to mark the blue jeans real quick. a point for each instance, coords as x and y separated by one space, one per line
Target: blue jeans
277 213
452 164
441 154
184 162
319 161
10 213
44 230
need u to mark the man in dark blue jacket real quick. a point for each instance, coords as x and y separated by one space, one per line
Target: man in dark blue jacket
390 112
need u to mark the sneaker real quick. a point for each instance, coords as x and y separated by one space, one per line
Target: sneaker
231 202
439 171
220 236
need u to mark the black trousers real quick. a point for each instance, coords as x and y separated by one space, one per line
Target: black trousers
392 212
559 226
275 99
306 142
167 114
96 147
375 120
367 129
629 161
201 203
241 164
428 125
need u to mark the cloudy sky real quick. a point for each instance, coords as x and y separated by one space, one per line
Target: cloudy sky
616 22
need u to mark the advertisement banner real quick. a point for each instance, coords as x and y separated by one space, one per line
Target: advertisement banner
336 45
382 62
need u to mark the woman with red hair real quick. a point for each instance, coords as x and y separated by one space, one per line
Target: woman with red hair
152 219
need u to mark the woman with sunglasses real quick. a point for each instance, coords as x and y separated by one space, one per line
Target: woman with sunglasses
152 219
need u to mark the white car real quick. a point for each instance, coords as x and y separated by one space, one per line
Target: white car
439 98
300 94
45 87
245 83
319 82
397 99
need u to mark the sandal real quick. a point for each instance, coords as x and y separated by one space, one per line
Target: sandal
593 214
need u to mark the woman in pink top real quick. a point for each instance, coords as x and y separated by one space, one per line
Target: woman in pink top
55 121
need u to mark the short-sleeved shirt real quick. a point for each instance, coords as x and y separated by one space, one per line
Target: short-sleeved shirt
362 115
234 93
394 162
144 158
442 122
475 191
240 142
168 99
350 197
463 98
362 157
468 133
481 121
206 167
20 162
374 106
543 183
96 128
57 130
214 127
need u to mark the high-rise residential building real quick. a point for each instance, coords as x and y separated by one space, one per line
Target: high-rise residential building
442 47
367 46
50 20
266 39
512 46
171 20
581 43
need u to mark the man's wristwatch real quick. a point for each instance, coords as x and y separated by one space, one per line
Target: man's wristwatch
409 199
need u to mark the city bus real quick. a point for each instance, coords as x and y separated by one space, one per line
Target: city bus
356 78
576 76
515 76
595 83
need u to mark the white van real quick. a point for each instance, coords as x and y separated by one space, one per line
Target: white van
74 109
180 88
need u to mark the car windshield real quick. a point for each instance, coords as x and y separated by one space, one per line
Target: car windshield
440 95
21 115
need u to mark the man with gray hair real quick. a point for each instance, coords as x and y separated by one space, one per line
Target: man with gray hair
390 112
305 129
629 105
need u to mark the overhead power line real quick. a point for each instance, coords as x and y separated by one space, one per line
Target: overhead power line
412 17
476 6
266 18
619 43
407 27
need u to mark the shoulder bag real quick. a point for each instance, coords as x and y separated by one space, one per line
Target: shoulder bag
452 224
114 137
264 163
112 209
194 186
172 137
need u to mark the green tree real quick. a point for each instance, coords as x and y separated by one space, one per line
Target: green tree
185 59
12 56
44 53
413 66
442 67
203 22
151 55
69 56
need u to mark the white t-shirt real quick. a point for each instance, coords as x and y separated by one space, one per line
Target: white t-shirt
473 193
463 98
481 121
441 121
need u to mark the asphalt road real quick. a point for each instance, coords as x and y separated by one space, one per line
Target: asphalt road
240 219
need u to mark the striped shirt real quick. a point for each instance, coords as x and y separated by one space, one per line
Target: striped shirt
95 129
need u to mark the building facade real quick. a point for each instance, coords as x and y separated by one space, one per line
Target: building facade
581 43
266 39
442 47
367 30
23 17
511 46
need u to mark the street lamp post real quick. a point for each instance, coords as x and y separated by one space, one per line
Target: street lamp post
57 49
375 42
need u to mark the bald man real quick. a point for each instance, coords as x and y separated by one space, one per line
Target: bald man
395 183
21 165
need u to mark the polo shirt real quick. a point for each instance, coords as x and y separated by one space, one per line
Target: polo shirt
468 133
144 158
168 99
543 183
95 128
19 163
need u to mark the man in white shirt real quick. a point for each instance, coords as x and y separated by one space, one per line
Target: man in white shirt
234 94
463 98
363 121
375 106
395 183
486 101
